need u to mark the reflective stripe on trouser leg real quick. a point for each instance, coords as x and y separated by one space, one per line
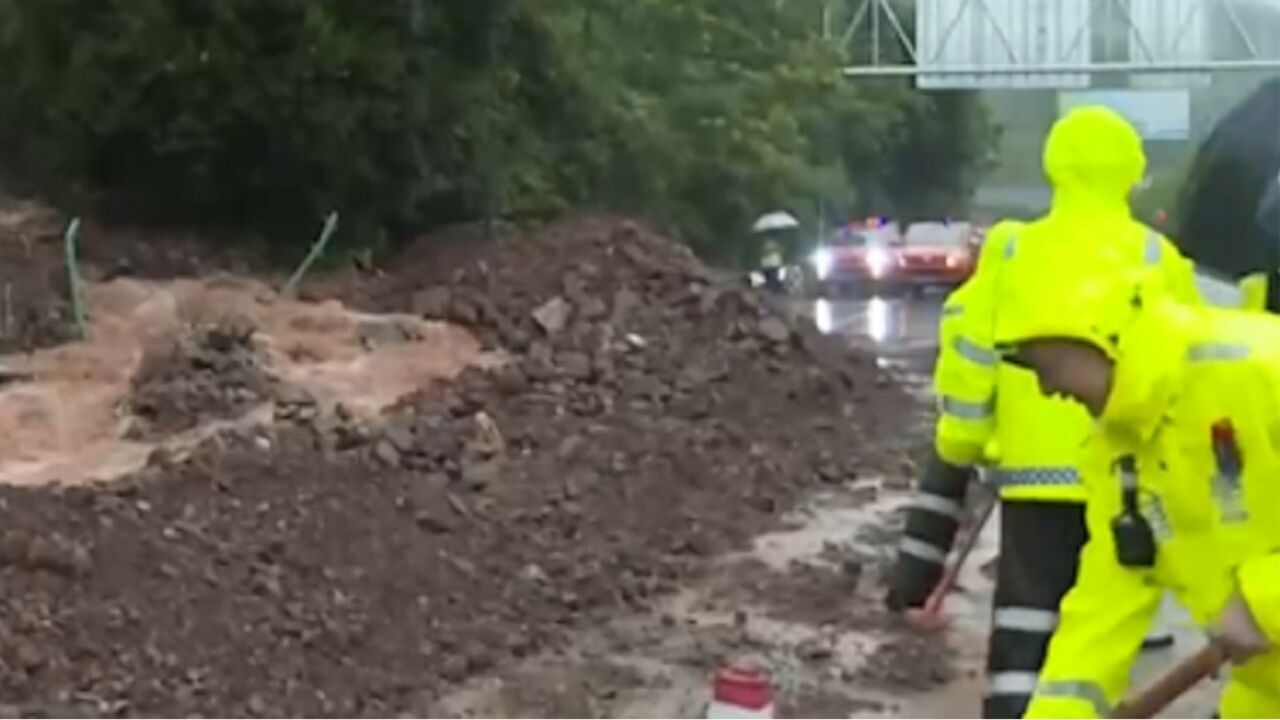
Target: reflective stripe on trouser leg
927 502
932 521
1039 553
1025 619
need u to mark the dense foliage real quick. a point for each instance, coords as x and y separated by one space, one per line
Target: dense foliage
409 113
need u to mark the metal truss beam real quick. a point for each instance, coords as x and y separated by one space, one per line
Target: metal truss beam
896 54
1063 68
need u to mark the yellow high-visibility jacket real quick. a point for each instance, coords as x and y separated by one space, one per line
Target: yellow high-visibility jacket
1194 369
1254 289
992 412
965 376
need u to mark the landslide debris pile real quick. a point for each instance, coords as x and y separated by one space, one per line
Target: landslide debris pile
213 373
652 414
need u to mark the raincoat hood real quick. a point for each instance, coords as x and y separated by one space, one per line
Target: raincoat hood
1129 315
1093 158
1147 371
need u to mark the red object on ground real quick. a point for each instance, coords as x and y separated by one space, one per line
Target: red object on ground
743 687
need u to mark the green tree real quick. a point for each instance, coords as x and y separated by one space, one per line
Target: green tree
699 114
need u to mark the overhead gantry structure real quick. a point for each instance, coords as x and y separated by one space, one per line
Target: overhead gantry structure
1050 43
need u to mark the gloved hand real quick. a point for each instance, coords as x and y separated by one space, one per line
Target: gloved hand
1237 632
910 583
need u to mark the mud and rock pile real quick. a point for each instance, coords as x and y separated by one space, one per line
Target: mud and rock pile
212 373
652 414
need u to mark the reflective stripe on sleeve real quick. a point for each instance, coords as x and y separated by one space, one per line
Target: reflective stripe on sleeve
1083 690
920 549
951 310
938 505
1013 683
1203 352
965 409
1037 476
974 352
1154 250
1025 619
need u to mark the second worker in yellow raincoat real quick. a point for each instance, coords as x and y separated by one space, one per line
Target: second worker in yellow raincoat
1183 473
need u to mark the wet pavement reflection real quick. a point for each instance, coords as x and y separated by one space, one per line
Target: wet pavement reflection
902 332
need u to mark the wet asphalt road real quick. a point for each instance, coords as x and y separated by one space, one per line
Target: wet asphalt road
902 332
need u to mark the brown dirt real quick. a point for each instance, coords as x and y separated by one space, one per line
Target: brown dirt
212 374
654 415
908 661
808 594
818 702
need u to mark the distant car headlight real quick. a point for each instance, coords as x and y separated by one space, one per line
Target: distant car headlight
822 261
878 261
957 259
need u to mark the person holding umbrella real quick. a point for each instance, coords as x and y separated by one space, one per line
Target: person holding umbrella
775 232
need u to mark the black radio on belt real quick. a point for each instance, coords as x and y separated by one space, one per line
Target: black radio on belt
1134 539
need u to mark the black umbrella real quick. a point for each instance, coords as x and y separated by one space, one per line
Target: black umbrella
1229 209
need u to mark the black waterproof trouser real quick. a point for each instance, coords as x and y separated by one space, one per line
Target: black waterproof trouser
1040 546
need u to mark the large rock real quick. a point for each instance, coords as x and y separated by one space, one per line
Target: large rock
553 315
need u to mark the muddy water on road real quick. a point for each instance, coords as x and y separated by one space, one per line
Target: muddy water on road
803 602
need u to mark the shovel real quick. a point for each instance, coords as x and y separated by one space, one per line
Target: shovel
930 618
1184 676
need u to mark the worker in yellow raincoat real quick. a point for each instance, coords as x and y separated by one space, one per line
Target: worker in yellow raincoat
1182 473
994 415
